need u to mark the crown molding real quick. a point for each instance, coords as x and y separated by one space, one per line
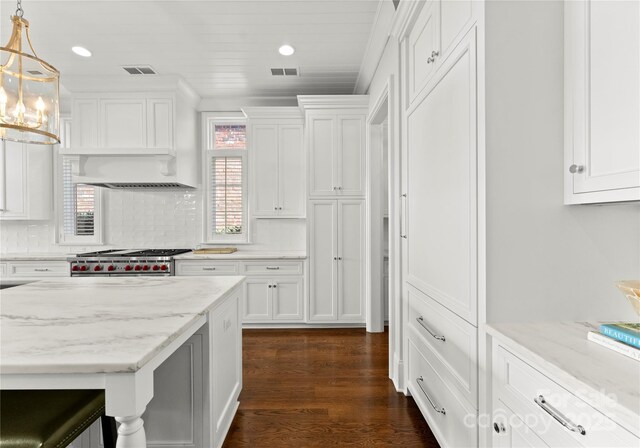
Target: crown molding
272 112
405 16
308 102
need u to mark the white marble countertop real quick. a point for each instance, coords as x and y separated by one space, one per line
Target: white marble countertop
579 365
100 325
35 257
246 255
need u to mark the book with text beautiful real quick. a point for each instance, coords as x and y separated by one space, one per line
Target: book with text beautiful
629 333
615 345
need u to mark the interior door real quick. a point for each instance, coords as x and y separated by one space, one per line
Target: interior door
351 159
323 260
291 189
322 156
264 153
441 193
351 272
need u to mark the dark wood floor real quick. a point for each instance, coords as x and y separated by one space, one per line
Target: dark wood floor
317 387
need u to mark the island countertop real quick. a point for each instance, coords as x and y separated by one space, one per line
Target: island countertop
100 325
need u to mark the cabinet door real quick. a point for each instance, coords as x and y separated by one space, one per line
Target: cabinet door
85 123
422 43
264 151
257 299
291 169
160 123
455 18
323 260
441 196
15 181
602 100
323 178
351 160
351 260
124 123
287 299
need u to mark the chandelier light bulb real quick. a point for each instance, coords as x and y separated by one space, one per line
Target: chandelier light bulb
40 105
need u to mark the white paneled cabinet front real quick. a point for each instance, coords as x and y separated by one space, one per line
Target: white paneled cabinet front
277 164
26 182
123 122
273 299
336 154
602 101
441 199
337 260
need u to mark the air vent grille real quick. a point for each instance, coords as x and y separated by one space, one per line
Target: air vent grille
284 71
139 70
142 185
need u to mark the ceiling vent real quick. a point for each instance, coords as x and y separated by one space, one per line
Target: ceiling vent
139 70
284 71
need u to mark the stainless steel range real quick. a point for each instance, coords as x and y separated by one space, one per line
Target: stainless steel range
117 262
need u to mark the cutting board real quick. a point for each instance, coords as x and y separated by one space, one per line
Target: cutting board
215 250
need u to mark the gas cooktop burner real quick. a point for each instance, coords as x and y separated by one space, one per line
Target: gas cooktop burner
135 253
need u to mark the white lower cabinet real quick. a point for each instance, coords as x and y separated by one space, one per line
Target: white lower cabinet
549 413
273 290
337 260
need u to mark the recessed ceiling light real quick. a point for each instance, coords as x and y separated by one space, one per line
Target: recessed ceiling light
81 51
286 50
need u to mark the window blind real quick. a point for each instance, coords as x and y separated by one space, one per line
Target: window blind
227 195
78 205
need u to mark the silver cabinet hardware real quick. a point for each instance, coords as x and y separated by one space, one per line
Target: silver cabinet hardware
573 169
419 381
335 258
499 427
421 322
273 268
208 269
435 53
275 208
403 195
275 286
270 286
339 258
430 60
340 188
41 269
335 188
403 236
553 412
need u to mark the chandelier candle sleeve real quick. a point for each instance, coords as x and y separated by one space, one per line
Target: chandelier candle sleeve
29 90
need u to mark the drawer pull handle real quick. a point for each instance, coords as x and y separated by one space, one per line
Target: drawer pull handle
421 322
41 269
420 380
273 268
208 269
553 412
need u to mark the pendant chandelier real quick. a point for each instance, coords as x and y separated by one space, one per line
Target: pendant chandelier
29 90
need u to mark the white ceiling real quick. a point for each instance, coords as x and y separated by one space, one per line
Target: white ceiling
221 48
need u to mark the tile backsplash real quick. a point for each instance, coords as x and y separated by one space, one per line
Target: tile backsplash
151 219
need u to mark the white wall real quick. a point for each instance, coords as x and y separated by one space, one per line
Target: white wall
545 260
153 219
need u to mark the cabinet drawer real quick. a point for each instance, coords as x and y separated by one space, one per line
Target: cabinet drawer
39 269
207 268
523 388
457 353
271 268
451 420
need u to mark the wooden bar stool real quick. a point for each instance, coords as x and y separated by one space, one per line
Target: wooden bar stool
51 418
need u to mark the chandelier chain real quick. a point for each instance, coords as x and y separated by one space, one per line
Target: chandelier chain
19 11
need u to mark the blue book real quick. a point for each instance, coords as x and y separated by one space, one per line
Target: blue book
629 333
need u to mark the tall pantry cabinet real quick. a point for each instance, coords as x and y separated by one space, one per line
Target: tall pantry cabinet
335 132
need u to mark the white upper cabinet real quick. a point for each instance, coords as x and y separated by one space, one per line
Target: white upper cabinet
277 167
123 122
336 142
440 25
602 101
26 182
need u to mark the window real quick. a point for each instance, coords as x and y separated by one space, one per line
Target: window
226 161
79 208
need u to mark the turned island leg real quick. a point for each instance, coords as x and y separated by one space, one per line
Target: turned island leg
131 432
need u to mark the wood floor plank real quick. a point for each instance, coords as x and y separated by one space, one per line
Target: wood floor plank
319 388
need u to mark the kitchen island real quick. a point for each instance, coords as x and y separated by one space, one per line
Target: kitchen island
114 333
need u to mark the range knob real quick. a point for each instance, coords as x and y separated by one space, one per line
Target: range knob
111 268
75 268
83 268
164 267
138 267
145 267
97 268
128 267
155 267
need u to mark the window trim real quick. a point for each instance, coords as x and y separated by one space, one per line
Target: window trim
209 120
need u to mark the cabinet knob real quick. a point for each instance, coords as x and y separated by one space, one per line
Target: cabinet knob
339 258
573 169
403 236
269 286
335 258
275 286
499 427
279 208
430 60
435 53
